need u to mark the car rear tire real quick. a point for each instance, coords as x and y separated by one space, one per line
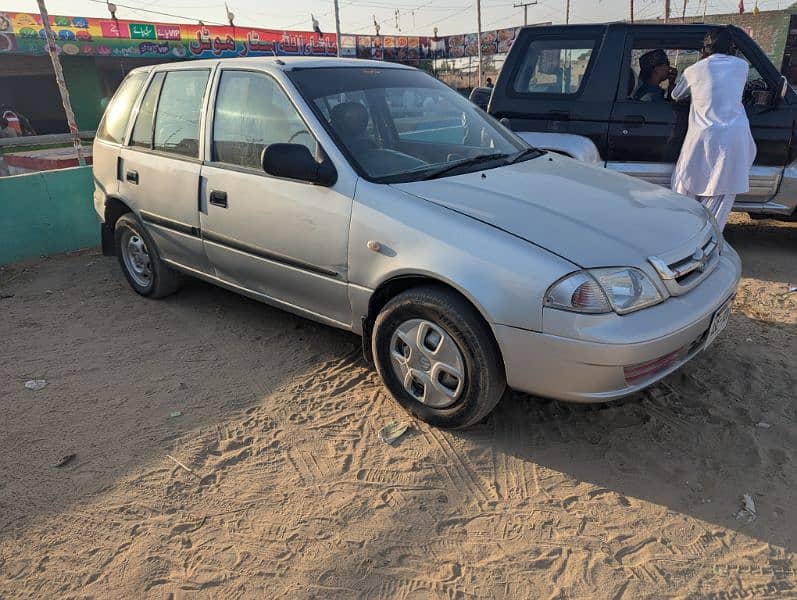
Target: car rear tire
147 274
438 358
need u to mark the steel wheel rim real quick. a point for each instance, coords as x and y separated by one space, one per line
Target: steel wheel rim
427 362
136 258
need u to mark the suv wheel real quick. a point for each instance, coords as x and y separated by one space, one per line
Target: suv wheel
438 358
142 266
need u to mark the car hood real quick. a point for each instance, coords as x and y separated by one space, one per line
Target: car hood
586 214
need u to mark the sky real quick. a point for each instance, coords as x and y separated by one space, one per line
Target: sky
416 17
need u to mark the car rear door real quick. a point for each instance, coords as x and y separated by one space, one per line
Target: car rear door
558 80
159 168
285 240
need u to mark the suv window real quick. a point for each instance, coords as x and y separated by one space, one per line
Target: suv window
554 67
252 111
179 112
114 121
680 54
142 130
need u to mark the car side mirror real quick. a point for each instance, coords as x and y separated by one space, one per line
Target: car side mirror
295 161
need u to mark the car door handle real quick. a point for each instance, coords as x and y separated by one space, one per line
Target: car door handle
132 176
218 198
634 120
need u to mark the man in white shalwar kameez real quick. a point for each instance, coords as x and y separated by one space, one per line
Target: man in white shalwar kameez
719 150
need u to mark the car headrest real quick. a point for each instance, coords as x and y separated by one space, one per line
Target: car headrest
349 119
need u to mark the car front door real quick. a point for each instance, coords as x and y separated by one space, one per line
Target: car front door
645 138
159 169
284 240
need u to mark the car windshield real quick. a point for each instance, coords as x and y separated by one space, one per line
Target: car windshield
404 125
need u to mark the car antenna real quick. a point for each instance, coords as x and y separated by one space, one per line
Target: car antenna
278 61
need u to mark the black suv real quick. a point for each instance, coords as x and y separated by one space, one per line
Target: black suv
570 89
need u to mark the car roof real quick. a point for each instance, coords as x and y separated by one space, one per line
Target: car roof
627 25
276 63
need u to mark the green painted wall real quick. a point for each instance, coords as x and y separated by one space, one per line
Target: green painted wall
85 90
46 213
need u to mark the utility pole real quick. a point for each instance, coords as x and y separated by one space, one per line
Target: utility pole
632 11
337 29
666 11
567 13
525 6
478 36
59 79
683 13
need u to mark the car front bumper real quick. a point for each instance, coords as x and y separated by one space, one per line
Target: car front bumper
660 339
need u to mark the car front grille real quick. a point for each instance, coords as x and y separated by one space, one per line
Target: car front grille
682 272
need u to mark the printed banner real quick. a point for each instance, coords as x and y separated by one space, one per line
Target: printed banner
23 33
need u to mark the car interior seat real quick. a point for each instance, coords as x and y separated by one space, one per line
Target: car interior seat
350 122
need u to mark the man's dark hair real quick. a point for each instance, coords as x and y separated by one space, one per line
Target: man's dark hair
718 41
646 73
3 122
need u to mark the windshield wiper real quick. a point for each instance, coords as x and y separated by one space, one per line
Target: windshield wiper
528 153
465 162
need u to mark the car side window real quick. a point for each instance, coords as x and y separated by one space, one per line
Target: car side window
179 112
114 121
648 83
554 67
142 130
252 111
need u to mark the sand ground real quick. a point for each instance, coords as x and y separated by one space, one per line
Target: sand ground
291 493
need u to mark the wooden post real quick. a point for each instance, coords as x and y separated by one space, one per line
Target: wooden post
337 28
52 50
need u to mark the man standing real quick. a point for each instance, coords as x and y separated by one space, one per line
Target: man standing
654 67
719 150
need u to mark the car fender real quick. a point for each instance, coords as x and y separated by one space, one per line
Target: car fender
395 234
575 146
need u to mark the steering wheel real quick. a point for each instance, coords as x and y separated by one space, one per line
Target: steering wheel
297 134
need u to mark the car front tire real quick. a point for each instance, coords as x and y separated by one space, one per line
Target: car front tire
147 274
438 357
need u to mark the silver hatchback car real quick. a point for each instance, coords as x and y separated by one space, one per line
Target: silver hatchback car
371 197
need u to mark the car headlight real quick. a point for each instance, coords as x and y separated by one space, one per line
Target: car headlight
621 289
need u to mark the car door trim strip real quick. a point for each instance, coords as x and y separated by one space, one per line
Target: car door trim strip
178 226
223 240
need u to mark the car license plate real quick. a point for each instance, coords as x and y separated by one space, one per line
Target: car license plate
719 321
